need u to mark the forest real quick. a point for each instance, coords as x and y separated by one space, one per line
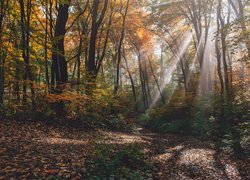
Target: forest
125 89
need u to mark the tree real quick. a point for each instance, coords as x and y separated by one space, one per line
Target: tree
92 66
238 7
223 32
59 73
25 9
3 9
119 48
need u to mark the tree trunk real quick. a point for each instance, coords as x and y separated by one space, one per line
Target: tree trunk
156 81
91 68
143 84
130 77
25 26
218 54
2 74
17 81
223 49
79 63
46 48
162 66
3 10
145 74
241 18
120 47
59 74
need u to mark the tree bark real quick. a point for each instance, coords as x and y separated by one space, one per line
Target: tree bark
223 49
46 47
239 11
91 67
143 83
130 77
25 41
218 54
59 73
157 83
3 10
116 88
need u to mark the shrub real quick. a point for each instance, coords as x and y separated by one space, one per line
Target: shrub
144 118
101 110
177 126
203 126
117 162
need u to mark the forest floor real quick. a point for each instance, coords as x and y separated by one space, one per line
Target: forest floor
33 150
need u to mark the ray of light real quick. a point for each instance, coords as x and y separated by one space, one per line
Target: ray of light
192 68
208 65
168 73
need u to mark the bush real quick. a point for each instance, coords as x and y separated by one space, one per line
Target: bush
204 126
245 137
177 126
143 119
101 110
117 162
208 117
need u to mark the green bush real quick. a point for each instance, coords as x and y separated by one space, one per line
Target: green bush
245 137
226 122
110 122
143 119
203 126
238 138
177 126
117 162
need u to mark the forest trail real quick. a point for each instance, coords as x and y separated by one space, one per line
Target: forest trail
40 150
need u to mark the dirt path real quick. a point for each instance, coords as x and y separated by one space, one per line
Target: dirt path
31 150
180 157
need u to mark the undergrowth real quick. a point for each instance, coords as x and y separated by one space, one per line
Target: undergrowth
225 123
117 162
100 110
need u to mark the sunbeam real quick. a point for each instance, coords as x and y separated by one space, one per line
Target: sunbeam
208 65
168 73
194 60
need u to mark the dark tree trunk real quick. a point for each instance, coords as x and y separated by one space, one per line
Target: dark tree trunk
218 54
79 63
17 80
183 70
2 76
143 83
73 74
91 65
239 11
223 49
59 73
130 77
25 26
3 10
145 74
119 56
157 83
162 78
46 47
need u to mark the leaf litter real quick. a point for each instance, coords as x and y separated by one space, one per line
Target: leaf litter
34 150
